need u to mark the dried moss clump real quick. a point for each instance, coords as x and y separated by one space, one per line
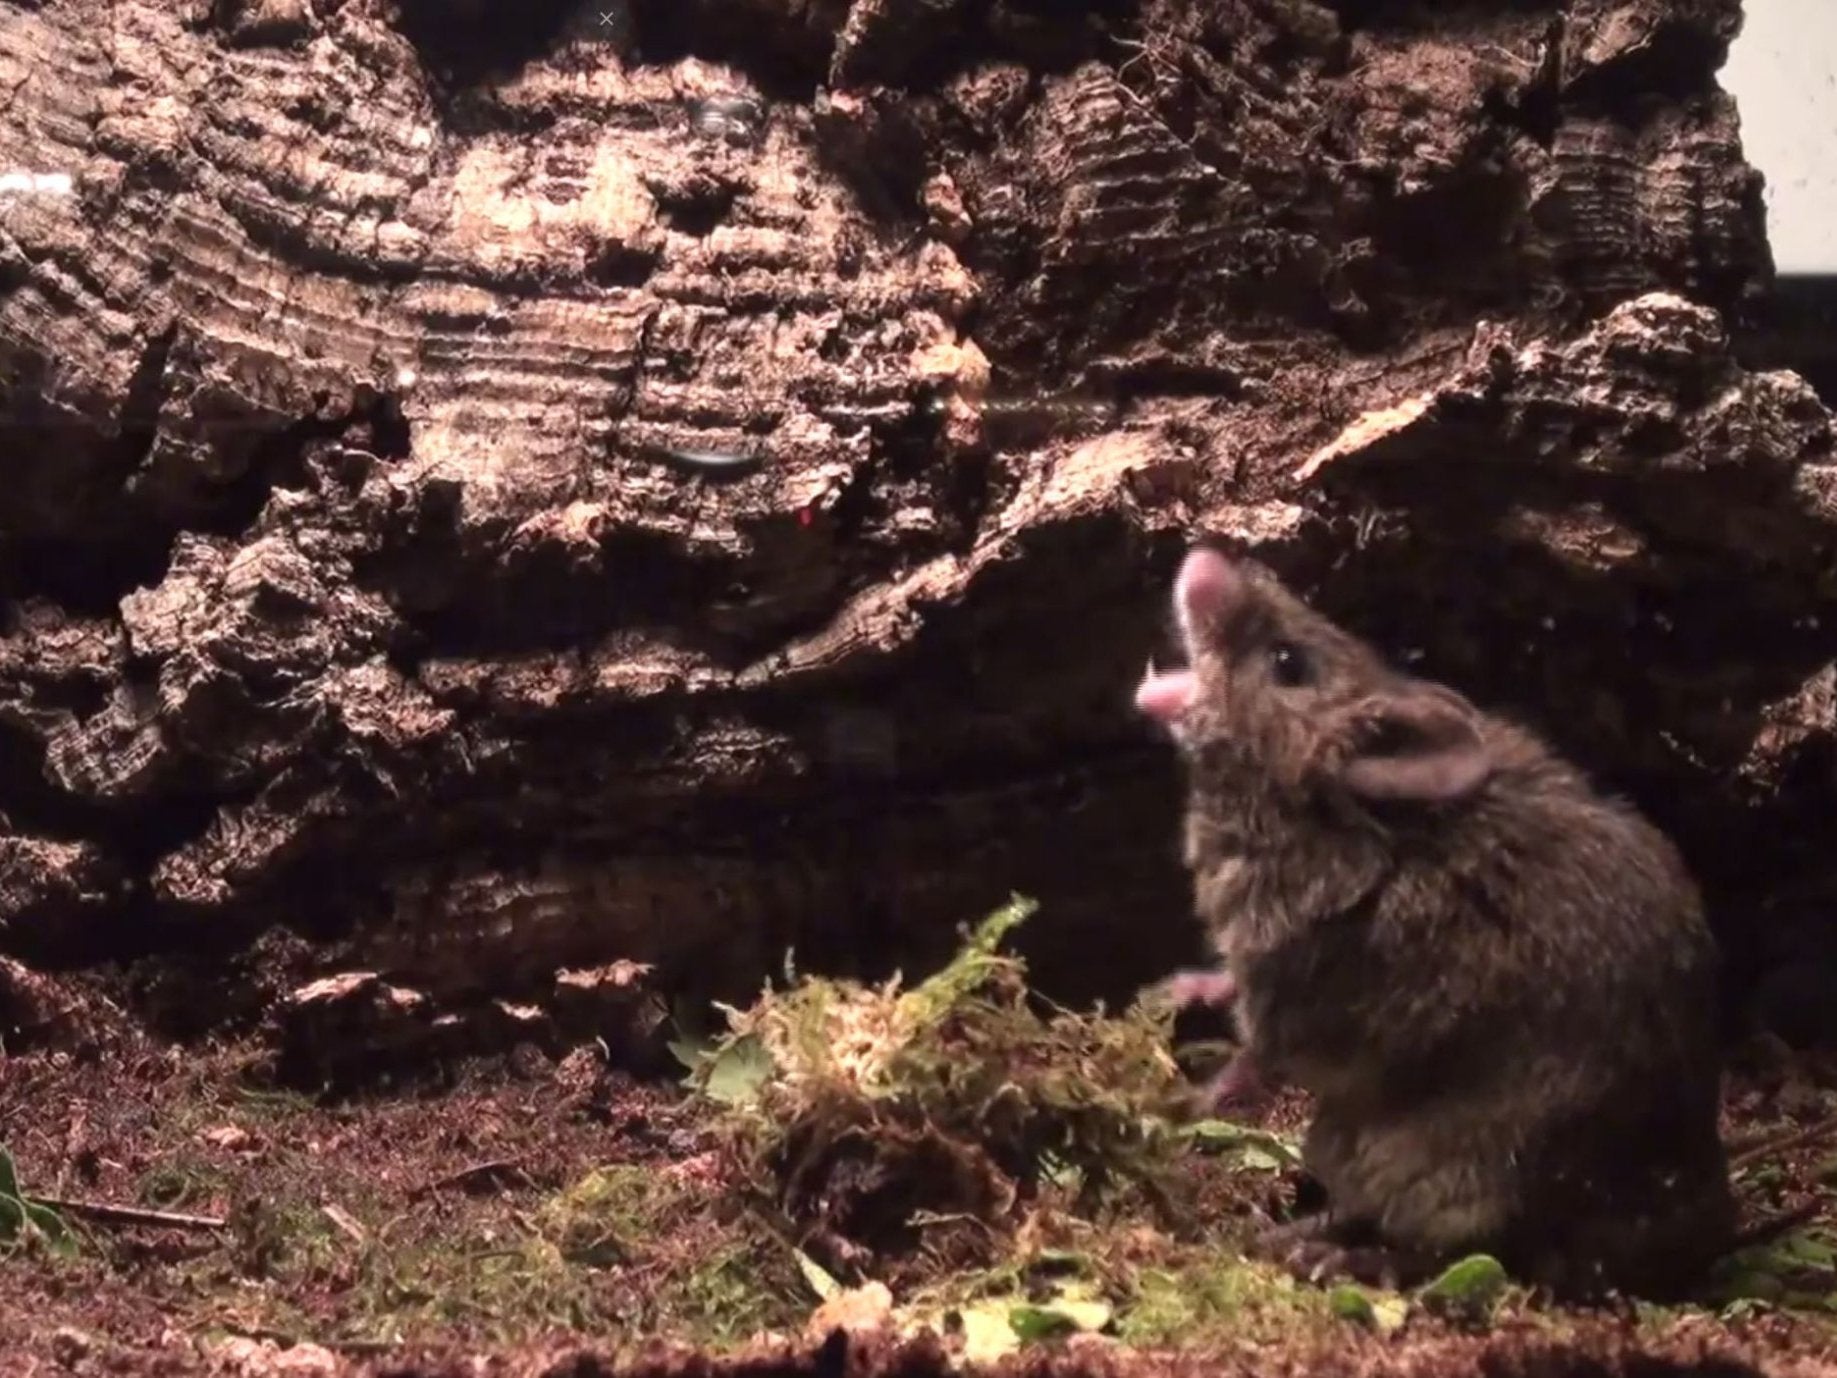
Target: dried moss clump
882 1122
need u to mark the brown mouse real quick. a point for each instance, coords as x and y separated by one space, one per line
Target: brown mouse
1496 983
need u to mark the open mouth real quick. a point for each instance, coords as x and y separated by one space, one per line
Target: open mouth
1167 687
1170 651
1209 591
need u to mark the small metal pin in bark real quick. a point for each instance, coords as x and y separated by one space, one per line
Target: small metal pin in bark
718 467
715 466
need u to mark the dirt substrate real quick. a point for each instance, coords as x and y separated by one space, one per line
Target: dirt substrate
556 1218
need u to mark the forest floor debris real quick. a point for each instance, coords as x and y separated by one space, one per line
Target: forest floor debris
890 1179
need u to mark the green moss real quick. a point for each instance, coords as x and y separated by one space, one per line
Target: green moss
741 1289
604 1217
624 1250
1010 1172
178 1184
1216 1295
280 1238
504 1289
271 1104
714 1274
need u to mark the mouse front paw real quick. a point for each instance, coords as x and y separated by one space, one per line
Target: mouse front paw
1276 1242
1315 1250
1240 1086
1217 988
1320 1261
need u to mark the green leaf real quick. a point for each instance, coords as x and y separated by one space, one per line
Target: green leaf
1743 1306
973 965
689 1054
1062 1316
988 1334
736 1071
692 1043
1259 1159
1741 1282
1806 1249
1474 1284
1258 1149
51 1228
1384 1313
20 1216
821 1281
998 1326
1351 1304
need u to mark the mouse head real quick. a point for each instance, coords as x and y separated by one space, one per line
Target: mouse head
1279 690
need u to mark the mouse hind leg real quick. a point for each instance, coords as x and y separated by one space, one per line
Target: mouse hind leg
1401 1201
1653 1234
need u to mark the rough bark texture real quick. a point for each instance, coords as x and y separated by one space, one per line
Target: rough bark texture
344 589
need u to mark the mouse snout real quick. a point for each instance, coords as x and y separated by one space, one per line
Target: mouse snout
1166 695
1208 586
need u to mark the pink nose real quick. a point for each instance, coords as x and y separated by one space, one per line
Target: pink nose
1166 694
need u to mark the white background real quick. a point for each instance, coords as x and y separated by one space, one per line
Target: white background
1782 71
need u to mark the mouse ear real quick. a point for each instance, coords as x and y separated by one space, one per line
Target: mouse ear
1417 746
1208 585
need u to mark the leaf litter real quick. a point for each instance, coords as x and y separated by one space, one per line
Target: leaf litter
956 1170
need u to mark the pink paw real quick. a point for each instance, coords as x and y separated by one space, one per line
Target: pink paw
1201 988
1240 1085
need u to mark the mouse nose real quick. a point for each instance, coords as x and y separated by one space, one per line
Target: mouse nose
1165 694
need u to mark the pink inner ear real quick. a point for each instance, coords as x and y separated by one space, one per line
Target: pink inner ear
1438 776
1442 755
1206 583
1166 695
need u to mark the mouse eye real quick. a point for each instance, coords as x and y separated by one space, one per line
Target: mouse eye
1289 665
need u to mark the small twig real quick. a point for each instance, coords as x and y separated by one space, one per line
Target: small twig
474 1172
343 1219
110 1214
73 1134
286 1340
1780 1143
920 1219
1764 1230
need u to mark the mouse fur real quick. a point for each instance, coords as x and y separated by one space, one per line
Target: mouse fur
1496 983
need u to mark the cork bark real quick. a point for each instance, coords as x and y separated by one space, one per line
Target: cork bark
348 590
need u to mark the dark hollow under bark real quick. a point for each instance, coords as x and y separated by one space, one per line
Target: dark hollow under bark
344 591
